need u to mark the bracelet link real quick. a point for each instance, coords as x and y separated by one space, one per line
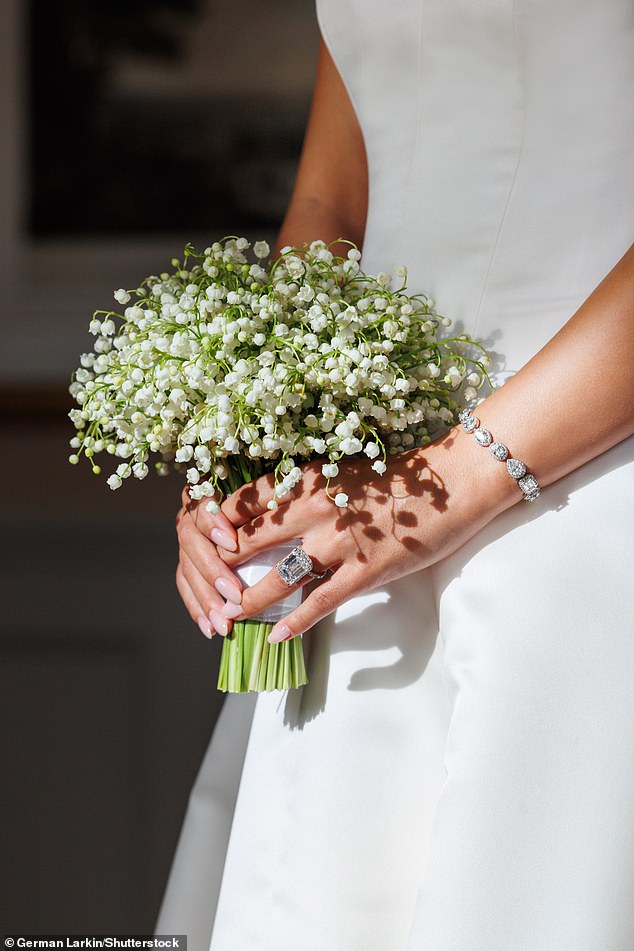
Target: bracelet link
517 469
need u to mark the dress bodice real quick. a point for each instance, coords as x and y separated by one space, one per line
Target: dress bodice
499 138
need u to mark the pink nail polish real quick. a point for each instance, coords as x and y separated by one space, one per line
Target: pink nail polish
205 626
219 622
223 539
228 590
279 633
231 609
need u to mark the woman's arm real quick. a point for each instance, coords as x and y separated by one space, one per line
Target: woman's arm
330 195
575 398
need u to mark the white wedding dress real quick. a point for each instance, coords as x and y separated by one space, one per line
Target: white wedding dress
458 774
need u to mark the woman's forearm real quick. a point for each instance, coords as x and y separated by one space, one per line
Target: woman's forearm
572 401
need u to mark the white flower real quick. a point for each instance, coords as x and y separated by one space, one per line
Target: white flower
114 482
371 450
212 506
294 475
272 505
121 296
184 454
193 476
261 249
401 271
341 499
351 446
379 466
306 293
330 470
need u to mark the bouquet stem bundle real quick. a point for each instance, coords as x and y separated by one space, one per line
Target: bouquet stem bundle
248 662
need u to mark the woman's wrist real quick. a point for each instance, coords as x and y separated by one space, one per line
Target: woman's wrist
479 486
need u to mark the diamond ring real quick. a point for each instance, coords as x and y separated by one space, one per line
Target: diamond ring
297 565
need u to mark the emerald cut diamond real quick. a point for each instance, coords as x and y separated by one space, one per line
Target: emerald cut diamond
295 566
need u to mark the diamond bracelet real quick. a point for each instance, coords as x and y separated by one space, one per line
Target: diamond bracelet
515 468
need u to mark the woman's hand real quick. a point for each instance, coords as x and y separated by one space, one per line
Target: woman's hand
202 578
416 513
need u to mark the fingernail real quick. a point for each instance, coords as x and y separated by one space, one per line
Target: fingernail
279 633
219 622
223 539
228 589
231 609
205 627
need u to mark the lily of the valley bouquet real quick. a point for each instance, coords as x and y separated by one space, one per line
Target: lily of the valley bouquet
228 368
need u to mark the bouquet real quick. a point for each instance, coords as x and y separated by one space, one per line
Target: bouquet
228 367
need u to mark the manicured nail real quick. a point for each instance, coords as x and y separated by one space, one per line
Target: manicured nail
228 589
219 622
223 539
279 633
231 609
205 627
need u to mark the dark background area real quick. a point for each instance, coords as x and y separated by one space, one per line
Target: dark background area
140 160
131 126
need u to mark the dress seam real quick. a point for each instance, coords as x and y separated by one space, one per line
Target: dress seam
404 211
511 190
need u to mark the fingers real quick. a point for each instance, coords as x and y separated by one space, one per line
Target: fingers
270 589
329 595
191 603
262 533
203 553
249 500
205 594
214 525
209 580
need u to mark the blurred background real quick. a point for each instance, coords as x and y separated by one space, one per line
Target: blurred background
129 128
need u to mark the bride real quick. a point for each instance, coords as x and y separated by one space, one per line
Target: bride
457 775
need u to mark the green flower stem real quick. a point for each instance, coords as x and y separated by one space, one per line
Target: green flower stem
249 663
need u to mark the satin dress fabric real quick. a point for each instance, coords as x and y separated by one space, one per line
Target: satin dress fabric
458 774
